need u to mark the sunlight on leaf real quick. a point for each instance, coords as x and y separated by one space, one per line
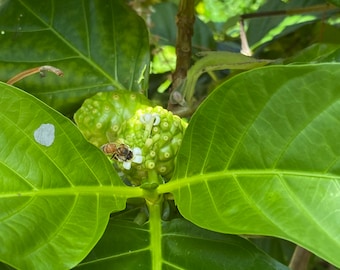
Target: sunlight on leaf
279 29
164 60
262 156
57 190
260 27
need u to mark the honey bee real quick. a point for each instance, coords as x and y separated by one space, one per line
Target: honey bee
119 151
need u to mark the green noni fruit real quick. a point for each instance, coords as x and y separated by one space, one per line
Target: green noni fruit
153 135
101 116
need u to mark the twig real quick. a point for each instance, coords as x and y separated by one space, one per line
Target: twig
35 70
185 25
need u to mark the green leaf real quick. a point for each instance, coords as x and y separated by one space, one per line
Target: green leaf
262 156
334 2
87 40
57 190
164 60
301 46
184 246
316 53
125 245
277 248
264 28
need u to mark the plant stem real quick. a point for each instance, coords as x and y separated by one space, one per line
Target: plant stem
215 61
185 28
300 259
155 223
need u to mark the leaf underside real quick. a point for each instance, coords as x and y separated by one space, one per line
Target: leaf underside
262 156
184 246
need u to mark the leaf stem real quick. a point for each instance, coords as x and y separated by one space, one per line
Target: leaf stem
155 223
35 70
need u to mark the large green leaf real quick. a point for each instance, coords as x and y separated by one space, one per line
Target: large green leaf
57 190
262 156
184 246
88 40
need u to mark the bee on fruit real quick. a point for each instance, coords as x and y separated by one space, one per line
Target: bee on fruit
119 151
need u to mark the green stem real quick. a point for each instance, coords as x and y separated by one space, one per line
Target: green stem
155 223
216 61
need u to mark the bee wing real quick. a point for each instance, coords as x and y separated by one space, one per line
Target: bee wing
110 136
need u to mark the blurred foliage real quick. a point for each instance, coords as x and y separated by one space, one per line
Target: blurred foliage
221 11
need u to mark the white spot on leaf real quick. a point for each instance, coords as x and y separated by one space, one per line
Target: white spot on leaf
44 134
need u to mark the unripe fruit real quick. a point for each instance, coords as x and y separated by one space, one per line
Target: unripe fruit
154 134
100 117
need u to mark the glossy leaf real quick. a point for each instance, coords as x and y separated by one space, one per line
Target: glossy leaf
302 44
184 246
125 245
57 190
87 40
261 156
260 27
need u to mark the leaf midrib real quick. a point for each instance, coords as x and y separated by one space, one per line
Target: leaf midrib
108 191
82 56
181 182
